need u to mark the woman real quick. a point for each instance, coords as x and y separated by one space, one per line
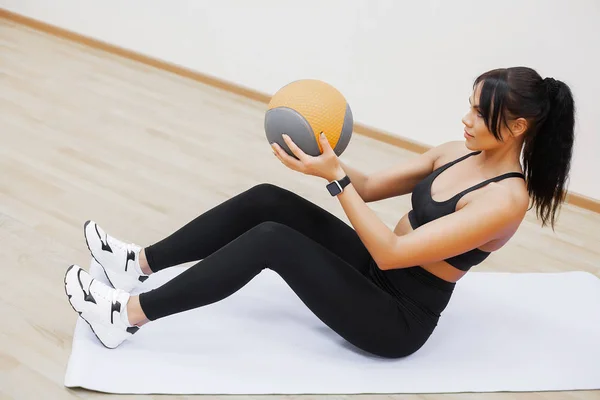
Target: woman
381 290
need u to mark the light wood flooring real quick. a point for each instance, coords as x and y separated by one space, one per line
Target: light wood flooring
86 135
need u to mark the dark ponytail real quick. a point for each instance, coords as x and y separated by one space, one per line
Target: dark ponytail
547 153
548 106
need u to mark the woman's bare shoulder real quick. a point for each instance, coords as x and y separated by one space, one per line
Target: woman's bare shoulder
449 151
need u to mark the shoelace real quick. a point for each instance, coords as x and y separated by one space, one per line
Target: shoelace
126 247
99 289
108 294
117 243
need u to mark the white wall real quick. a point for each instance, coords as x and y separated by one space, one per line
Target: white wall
406 67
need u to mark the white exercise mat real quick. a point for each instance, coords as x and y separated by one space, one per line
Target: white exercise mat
501 332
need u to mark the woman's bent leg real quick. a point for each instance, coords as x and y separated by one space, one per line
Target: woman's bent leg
222 224
336 292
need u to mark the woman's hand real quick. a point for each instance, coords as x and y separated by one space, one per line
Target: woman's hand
326 165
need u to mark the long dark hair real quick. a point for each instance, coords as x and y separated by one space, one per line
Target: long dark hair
548 106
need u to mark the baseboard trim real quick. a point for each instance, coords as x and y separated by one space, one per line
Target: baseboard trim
581 201
572 198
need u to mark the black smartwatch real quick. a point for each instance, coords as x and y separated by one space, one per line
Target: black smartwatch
337 187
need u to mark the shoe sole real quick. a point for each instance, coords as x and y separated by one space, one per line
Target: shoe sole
78 312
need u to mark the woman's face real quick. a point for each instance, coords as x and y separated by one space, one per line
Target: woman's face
478 136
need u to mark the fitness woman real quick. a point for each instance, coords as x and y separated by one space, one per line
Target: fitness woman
381 290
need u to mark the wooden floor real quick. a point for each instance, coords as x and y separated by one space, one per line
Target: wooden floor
85 135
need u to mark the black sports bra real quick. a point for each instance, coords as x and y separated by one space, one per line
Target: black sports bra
425 209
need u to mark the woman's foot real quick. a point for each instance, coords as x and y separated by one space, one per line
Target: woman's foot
120 260
102 307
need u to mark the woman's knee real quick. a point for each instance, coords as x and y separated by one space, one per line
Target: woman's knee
275 241
272 231
264 190
267 196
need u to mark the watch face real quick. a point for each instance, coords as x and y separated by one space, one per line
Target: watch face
334 189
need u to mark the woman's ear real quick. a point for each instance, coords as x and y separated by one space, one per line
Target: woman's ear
519 126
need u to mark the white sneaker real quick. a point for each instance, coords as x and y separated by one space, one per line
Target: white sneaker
119 260
102 307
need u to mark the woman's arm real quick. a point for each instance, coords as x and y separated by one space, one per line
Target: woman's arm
487 218
399 179
359 179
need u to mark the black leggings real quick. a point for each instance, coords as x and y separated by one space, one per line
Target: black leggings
320 257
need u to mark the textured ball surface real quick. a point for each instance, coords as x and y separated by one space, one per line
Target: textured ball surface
305 108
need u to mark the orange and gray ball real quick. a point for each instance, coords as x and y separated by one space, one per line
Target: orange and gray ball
305 108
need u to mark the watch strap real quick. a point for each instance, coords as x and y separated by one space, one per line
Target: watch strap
345 181
336 187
